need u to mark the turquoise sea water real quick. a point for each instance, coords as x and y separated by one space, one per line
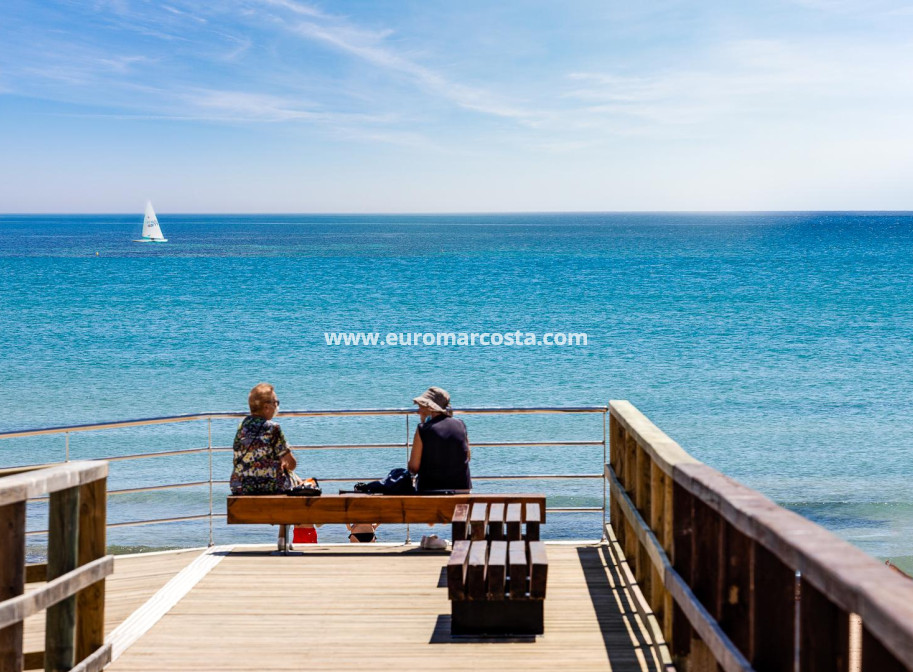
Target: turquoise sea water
775 347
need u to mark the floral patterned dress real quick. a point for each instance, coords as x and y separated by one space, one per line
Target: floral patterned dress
258 446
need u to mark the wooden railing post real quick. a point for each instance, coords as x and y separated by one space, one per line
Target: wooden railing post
63 530
683 533
90 602
616 443
738 611
775 608
706 572
876 658
824 633
660 600
12 579
616 458
629 466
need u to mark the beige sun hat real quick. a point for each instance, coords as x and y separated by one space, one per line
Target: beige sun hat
435 398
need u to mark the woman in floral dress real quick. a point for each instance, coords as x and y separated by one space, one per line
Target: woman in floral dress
262 459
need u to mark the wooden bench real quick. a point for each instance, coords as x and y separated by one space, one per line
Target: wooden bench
496 578
284 510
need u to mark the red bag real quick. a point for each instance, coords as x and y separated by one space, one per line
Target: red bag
304 535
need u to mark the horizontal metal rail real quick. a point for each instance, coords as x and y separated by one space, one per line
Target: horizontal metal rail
139 422
200 484
407 413
206 516
345 446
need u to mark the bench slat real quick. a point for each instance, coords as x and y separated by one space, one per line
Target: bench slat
514 521
349 508
533 520
456 570
460 525
477 519
538 574
496 521
475 574
497 570
519 569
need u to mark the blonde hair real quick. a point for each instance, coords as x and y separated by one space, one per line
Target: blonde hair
259 396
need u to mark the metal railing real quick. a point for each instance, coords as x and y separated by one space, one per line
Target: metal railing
406 413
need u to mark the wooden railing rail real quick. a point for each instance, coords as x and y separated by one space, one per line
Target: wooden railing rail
738 582
74 595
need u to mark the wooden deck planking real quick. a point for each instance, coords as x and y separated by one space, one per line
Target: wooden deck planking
341 608
136 578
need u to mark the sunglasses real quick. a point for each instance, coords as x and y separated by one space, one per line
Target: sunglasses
274 401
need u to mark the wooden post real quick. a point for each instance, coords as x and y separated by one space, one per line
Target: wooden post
642 481
876 658
657 513
775 608
90 602
824 633
63 529
683 532
706 565
12 579
629 466
616 443
615 515
738 589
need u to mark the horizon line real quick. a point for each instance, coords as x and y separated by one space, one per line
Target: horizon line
466 213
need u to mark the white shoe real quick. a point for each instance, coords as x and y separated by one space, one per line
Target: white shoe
432 542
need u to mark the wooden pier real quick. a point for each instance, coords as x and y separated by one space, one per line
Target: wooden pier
342 607
698 573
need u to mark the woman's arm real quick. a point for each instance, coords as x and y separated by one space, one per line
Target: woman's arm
415 458
288 461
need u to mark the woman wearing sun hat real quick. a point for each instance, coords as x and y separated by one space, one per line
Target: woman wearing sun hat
440 449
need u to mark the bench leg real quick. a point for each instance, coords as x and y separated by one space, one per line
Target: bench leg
504 617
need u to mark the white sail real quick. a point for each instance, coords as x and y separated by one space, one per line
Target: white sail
151 228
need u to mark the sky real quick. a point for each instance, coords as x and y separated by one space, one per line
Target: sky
358 106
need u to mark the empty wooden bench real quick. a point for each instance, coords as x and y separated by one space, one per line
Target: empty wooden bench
498 520
496 578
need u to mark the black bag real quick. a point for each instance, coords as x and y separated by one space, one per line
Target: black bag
309 487
397 482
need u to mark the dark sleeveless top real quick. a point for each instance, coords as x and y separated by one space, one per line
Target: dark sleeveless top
445 453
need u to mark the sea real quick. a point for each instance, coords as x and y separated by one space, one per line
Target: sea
775 347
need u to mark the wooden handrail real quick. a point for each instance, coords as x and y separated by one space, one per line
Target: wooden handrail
37 482
665 452
17 609
695 535
75 572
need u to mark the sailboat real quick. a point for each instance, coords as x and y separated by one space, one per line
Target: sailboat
152 232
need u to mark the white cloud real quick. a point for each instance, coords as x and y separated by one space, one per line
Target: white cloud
369 46
755 78
181 13
245 106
